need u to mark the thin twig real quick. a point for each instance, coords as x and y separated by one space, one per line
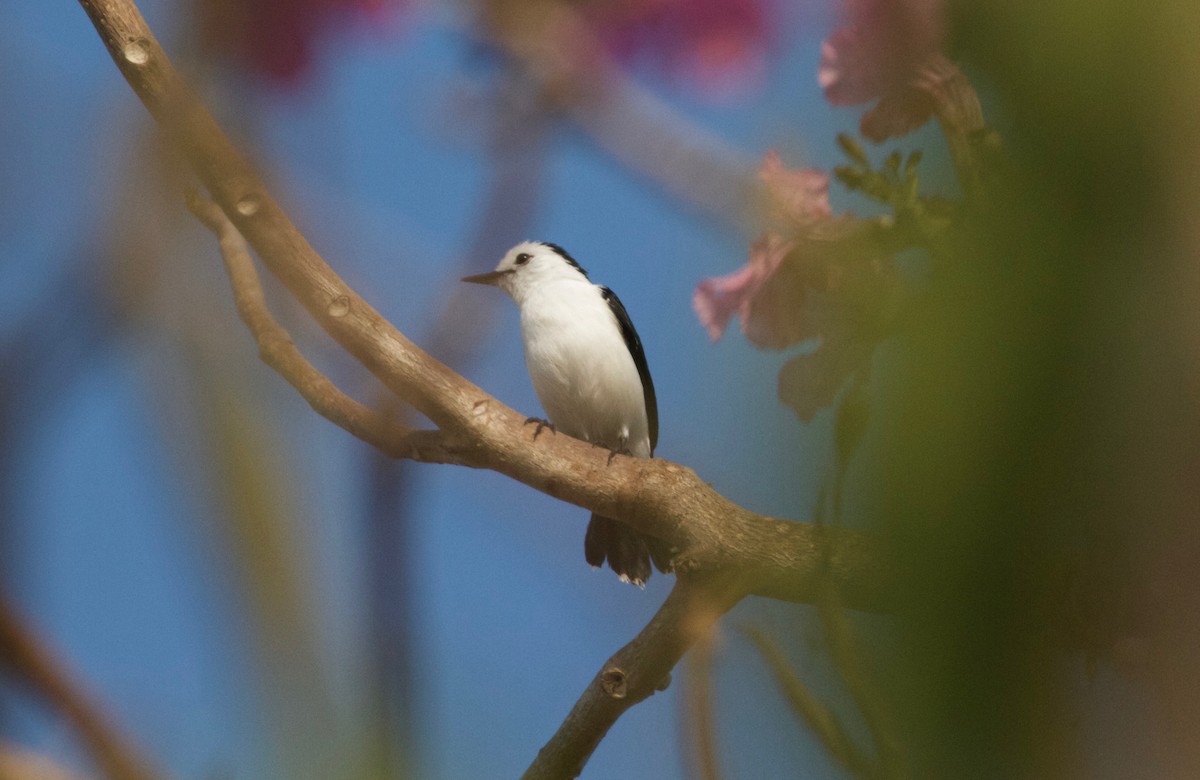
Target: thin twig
960 116
697 703
20 764
847 656
820 718
517 145
28 657
844 645
279 352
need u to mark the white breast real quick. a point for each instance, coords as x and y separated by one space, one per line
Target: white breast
581 368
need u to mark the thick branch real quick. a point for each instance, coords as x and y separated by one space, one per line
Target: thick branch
29 659
636 672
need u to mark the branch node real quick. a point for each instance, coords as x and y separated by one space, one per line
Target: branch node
339 307
248 205
614 683
137 52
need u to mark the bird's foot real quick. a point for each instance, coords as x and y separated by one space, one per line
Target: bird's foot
614 453
540 425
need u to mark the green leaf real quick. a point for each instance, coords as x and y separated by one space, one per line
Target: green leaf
851 177
892 163
853 150
910 166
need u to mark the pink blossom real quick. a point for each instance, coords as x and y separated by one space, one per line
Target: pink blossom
813 278
880 53
847 76
799 196
806 289
747 292
768 294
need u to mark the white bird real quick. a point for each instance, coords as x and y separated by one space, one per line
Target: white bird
590 373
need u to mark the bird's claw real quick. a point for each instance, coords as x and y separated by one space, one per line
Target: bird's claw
614 453
540 425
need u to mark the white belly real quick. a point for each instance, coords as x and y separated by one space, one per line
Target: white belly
583 372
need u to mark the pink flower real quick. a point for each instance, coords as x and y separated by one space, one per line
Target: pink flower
768 293
800 196
816 277
764 299
882 52
834 291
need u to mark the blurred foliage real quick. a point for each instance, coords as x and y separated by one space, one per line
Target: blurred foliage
1039 439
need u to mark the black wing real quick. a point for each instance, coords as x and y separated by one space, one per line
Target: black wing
639 359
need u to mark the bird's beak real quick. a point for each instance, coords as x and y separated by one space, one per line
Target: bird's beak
492 277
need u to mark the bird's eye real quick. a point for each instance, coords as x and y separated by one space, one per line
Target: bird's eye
523 258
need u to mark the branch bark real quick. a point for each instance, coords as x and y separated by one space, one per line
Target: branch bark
277 350
636 672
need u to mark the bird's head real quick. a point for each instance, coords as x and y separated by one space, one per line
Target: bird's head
529 265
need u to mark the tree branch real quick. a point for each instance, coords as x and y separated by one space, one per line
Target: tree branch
556 47
29 658
636 672
780 559
19 764
725 551
277 350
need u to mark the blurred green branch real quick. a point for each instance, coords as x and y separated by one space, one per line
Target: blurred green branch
823 721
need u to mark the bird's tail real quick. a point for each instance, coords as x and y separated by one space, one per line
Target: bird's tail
628 552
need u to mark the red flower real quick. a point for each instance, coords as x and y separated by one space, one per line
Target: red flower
275 38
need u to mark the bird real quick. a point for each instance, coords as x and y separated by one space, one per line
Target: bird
589 371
